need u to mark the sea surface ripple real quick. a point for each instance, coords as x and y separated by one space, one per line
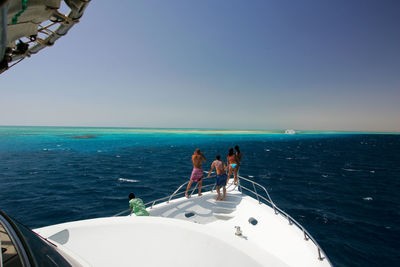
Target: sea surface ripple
343 188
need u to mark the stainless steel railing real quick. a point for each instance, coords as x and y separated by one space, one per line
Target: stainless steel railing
174 195
242 186
278 211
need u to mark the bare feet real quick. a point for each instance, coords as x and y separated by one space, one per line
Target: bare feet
217 198
186 195
200 194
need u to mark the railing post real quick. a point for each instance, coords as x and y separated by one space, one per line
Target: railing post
273 204
305 235
255 191
319 254
194 189
177 190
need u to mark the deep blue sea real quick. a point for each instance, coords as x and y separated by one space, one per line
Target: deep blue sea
343 188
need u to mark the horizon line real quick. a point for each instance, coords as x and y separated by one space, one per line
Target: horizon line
199 129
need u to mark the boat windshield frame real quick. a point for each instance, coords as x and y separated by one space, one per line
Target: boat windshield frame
32 249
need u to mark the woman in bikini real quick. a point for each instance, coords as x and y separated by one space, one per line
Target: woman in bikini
232 162
239 159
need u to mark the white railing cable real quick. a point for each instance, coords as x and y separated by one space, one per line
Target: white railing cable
176 191
122 212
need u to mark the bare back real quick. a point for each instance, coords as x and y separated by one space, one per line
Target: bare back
219 166
198 160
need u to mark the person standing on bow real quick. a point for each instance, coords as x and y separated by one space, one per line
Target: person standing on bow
197 174
220 179
232 163
239 159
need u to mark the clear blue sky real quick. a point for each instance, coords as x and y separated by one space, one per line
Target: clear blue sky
258 64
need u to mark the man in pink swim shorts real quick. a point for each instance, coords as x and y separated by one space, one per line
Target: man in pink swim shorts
197 174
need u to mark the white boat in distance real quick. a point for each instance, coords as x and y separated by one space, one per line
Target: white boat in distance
247 229
290 131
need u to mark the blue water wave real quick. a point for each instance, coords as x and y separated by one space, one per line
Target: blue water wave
342 187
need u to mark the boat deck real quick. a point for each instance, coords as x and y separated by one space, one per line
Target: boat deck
197 231
202 210
258 222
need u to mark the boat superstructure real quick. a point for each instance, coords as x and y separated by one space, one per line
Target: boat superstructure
26 27
247 229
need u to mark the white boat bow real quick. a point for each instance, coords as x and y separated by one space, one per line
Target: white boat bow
198 231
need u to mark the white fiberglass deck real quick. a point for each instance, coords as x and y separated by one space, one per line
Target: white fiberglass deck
198 231
149 241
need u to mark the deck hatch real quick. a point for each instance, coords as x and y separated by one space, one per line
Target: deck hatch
253 221
189 214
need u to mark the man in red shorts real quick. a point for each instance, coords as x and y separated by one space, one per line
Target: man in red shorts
197 173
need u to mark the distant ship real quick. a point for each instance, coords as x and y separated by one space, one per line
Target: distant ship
290 131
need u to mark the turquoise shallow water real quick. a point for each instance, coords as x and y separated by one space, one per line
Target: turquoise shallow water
342 187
